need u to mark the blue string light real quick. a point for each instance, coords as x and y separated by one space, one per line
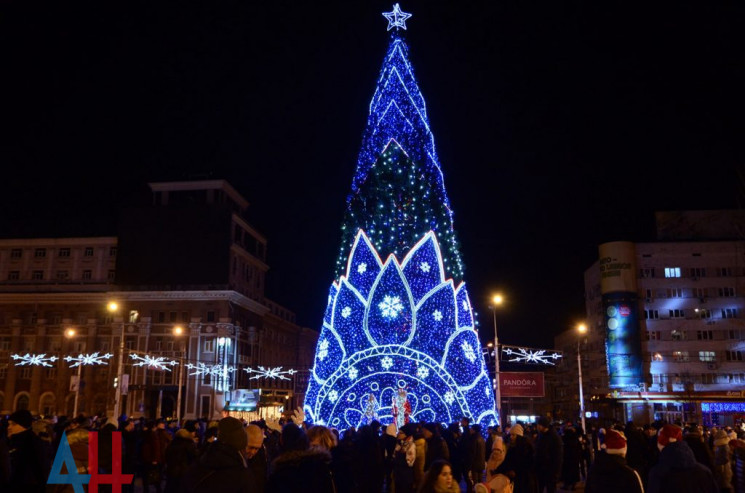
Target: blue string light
398 315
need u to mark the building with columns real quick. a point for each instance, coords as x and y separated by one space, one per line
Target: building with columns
186 271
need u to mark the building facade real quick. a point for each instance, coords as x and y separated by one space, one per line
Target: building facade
689 307
186 271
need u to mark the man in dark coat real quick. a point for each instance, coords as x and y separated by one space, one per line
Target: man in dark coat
477 455
29 463
677 469
610 473
518 464
437 448
548 455
181 453
572 456
222 468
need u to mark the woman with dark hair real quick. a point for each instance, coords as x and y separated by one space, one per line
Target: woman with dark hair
439 479
300 467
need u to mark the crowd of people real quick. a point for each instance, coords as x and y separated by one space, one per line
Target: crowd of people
230 455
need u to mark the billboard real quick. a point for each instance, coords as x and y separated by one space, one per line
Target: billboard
521 384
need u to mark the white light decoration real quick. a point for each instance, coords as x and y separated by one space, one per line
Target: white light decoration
527 355
270 373
34 359
437 315
396 18
390 306
154 363
362 268
212 370
89 359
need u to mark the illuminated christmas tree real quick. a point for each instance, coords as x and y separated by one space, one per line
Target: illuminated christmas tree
399 324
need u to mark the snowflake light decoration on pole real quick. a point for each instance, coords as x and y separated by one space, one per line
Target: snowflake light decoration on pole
270 373
528 355
34 359
398 317
88 359
155 363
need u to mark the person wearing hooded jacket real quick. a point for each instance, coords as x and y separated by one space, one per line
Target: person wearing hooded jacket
610 473
677 469
222 466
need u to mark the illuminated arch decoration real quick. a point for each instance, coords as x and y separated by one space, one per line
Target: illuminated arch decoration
392 325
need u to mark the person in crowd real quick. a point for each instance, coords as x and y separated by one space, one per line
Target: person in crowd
677 469
370 472
130 453
29 462
256 459
549 454
389 446
421 451
571 459
452 437
722 461
701 451
519 463
345 463
403 459
477 453
180 454
298 467
636 454
154 455
437 448
222 467
610 473
439 479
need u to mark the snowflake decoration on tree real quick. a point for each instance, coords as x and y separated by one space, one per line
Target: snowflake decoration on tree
465 305
323 349
157 363
468 351
422 372
353 373
333 395
386 362
34 359
424 266
270 373
89 359
449 397
362 268
527 355
437 315
346 312
390 306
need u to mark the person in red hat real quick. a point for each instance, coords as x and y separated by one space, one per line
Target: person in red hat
677 469
610 473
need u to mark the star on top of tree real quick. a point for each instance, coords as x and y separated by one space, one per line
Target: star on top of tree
396 18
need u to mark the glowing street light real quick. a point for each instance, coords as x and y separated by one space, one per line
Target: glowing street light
113 307
70 333
178 331
497 300
581 329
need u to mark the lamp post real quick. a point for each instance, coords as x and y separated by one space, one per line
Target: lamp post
496 301
178 331
582 329
70 333
113 308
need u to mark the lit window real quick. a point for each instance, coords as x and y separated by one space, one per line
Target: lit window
657 357
680 355
677 335
706 356
672 271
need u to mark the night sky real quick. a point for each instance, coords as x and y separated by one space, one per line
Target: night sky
559 126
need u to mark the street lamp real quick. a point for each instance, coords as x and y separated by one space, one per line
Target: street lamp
70 333
496 301
582 329
113 307
178 331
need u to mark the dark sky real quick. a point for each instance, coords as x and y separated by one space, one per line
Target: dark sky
559 125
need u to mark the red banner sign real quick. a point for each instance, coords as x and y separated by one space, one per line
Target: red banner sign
521 384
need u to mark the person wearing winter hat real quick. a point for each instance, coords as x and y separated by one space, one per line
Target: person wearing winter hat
609 472
517 467
677 469
222 466
29 466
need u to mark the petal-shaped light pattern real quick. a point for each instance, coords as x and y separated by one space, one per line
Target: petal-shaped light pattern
390 311
363 266
398 344
463 303
423 267
463 357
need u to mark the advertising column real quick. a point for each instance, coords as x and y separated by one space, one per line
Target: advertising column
623 347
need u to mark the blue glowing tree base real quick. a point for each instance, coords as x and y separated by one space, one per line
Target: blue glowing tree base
391 325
